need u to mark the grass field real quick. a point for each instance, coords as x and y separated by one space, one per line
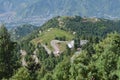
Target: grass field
50 34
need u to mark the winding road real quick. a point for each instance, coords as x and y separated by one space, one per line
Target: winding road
54 44
55 47
47 49
56 52
76 54
23 54
35 56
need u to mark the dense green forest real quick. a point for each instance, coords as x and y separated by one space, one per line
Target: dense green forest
83 27
99 59
21 31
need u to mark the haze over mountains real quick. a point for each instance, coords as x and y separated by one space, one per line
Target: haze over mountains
60 40
16 12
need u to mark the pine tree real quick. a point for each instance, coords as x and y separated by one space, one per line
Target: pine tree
6 47
21 74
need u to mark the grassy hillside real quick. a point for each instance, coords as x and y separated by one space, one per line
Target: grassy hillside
50 34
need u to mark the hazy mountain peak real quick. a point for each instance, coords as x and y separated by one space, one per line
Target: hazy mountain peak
38 11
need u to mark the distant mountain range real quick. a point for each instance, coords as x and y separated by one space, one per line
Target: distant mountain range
16 12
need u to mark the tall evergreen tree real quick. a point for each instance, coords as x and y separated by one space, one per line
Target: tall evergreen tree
21 74
6 55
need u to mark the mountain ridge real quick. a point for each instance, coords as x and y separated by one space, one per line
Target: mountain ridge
39 11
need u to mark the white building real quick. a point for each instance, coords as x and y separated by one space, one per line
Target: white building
83 42
71 44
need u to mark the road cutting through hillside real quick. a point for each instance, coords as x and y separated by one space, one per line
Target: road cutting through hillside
47 49
54 44
23 54
35 56
55 47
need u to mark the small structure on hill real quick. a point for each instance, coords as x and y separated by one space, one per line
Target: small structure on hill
83 42
71 43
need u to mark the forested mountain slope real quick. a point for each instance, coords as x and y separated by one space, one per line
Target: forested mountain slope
28 58
103 64
21 31
82 27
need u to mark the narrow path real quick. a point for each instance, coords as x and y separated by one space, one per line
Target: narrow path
23 54
55 47
82 42
60 22
75 54
47 49
54 44
35 56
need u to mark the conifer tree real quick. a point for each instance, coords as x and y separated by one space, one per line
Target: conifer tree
6 55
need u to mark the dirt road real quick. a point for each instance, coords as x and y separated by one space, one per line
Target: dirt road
23 54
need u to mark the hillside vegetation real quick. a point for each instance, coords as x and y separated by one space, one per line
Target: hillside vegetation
31 57
102 65
51 34
82 27
21 31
